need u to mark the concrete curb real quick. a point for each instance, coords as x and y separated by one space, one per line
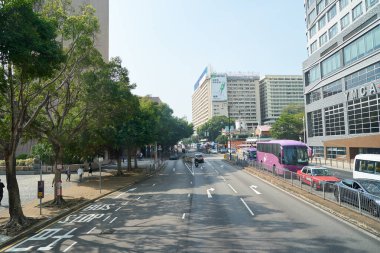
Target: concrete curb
49 221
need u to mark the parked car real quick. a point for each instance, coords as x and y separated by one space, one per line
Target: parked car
213 151
173 157
363 192
222 150
318 177
198 158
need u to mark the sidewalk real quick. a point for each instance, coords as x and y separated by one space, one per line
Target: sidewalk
77 194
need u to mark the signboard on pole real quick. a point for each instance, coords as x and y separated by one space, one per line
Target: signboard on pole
40 189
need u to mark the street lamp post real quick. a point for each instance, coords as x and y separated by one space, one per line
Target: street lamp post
229 130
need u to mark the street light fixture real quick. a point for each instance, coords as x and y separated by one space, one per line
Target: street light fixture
229 129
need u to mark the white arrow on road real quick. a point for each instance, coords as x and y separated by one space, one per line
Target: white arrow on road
208 192
253 188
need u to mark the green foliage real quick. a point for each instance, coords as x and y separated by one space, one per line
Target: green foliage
213 127
290 124
222 139
43 151
22 156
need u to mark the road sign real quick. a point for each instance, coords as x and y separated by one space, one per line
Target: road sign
40 189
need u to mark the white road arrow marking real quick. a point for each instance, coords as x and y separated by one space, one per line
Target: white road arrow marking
253 189
208 192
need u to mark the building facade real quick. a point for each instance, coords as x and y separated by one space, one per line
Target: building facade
226 94
342 77
102 12
277 92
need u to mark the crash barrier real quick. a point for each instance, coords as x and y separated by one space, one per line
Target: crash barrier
364 203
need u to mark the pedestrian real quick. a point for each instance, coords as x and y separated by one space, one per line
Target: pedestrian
89 169
68 174
80 173
1 191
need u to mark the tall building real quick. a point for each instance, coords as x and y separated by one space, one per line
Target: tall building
277 92
223 94
342 76
102 12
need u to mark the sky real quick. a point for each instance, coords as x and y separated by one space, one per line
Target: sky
166 44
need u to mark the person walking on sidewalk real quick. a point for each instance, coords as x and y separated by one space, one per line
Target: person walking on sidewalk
89 169
80 173
68 174
1 191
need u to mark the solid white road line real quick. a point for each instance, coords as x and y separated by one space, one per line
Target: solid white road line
183 216
253 189
113 219
117 209
242 200
232 188
119 195
70 246
138 198
91 230
191 171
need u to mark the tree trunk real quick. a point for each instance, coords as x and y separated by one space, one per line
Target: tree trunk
129 152
58 161
119 168
17 218
135 159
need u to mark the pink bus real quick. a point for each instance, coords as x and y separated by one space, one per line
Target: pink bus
281 155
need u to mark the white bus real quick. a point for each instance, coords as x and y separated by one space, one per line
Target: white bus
367 166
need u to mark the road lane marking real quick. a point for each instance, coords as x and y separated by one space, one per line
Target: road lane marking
117 209
208 192
91 230
138 198
124 203
107 218
253 189
173 169
183 216
131 190
242 200
119 195
70 246
188 195
221 166
113 219
223 179
232 188
153 184
191 171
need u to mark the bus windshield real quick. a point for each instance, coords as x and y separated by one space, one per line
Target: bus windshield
295 155
252 154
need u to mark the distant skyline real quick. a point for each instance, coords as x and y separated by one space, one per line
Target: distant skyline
166 44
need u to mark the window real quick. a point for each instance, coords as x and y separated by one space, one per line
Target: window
333 152
331 13
334 120
315 126
331 64
315 74
318 151
370 3
312 16
343 3
366 75
313 31
362 46
333 31
345 21
332 89
313 47
323 39
357 11
322 22
320 6
364 115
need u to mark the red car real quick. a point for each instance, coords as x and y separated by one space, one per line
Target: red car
318 177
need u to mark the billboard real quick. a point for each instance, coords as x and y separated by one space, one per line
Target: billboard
219 87
201 79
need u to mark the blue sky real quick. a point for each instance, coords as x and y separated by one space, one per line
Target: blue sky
166 44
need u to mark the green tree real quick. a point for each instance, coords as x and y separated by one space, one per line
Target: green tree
222 139
212 128
290 124
29 54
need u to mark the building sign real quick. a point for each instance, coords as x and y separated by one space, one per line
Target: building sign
363 91
201 79
219 87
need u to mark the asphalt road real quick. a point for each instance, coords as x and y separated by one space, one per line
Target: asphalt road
212 208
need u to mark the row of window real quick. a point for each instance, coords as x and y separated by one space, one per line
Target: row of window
363 116
356 79
357 11
356 50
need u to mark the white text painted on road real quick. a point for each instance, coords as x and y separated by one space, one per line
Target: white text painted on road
98 207
232 188
209 193
81 218
253 189
242 200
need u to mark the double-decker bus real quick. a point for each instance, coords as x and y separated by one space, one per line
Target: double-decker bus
367 166
281 155
246 152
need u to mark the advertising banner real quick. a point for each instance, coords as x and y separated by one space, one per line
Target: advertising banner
219 87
